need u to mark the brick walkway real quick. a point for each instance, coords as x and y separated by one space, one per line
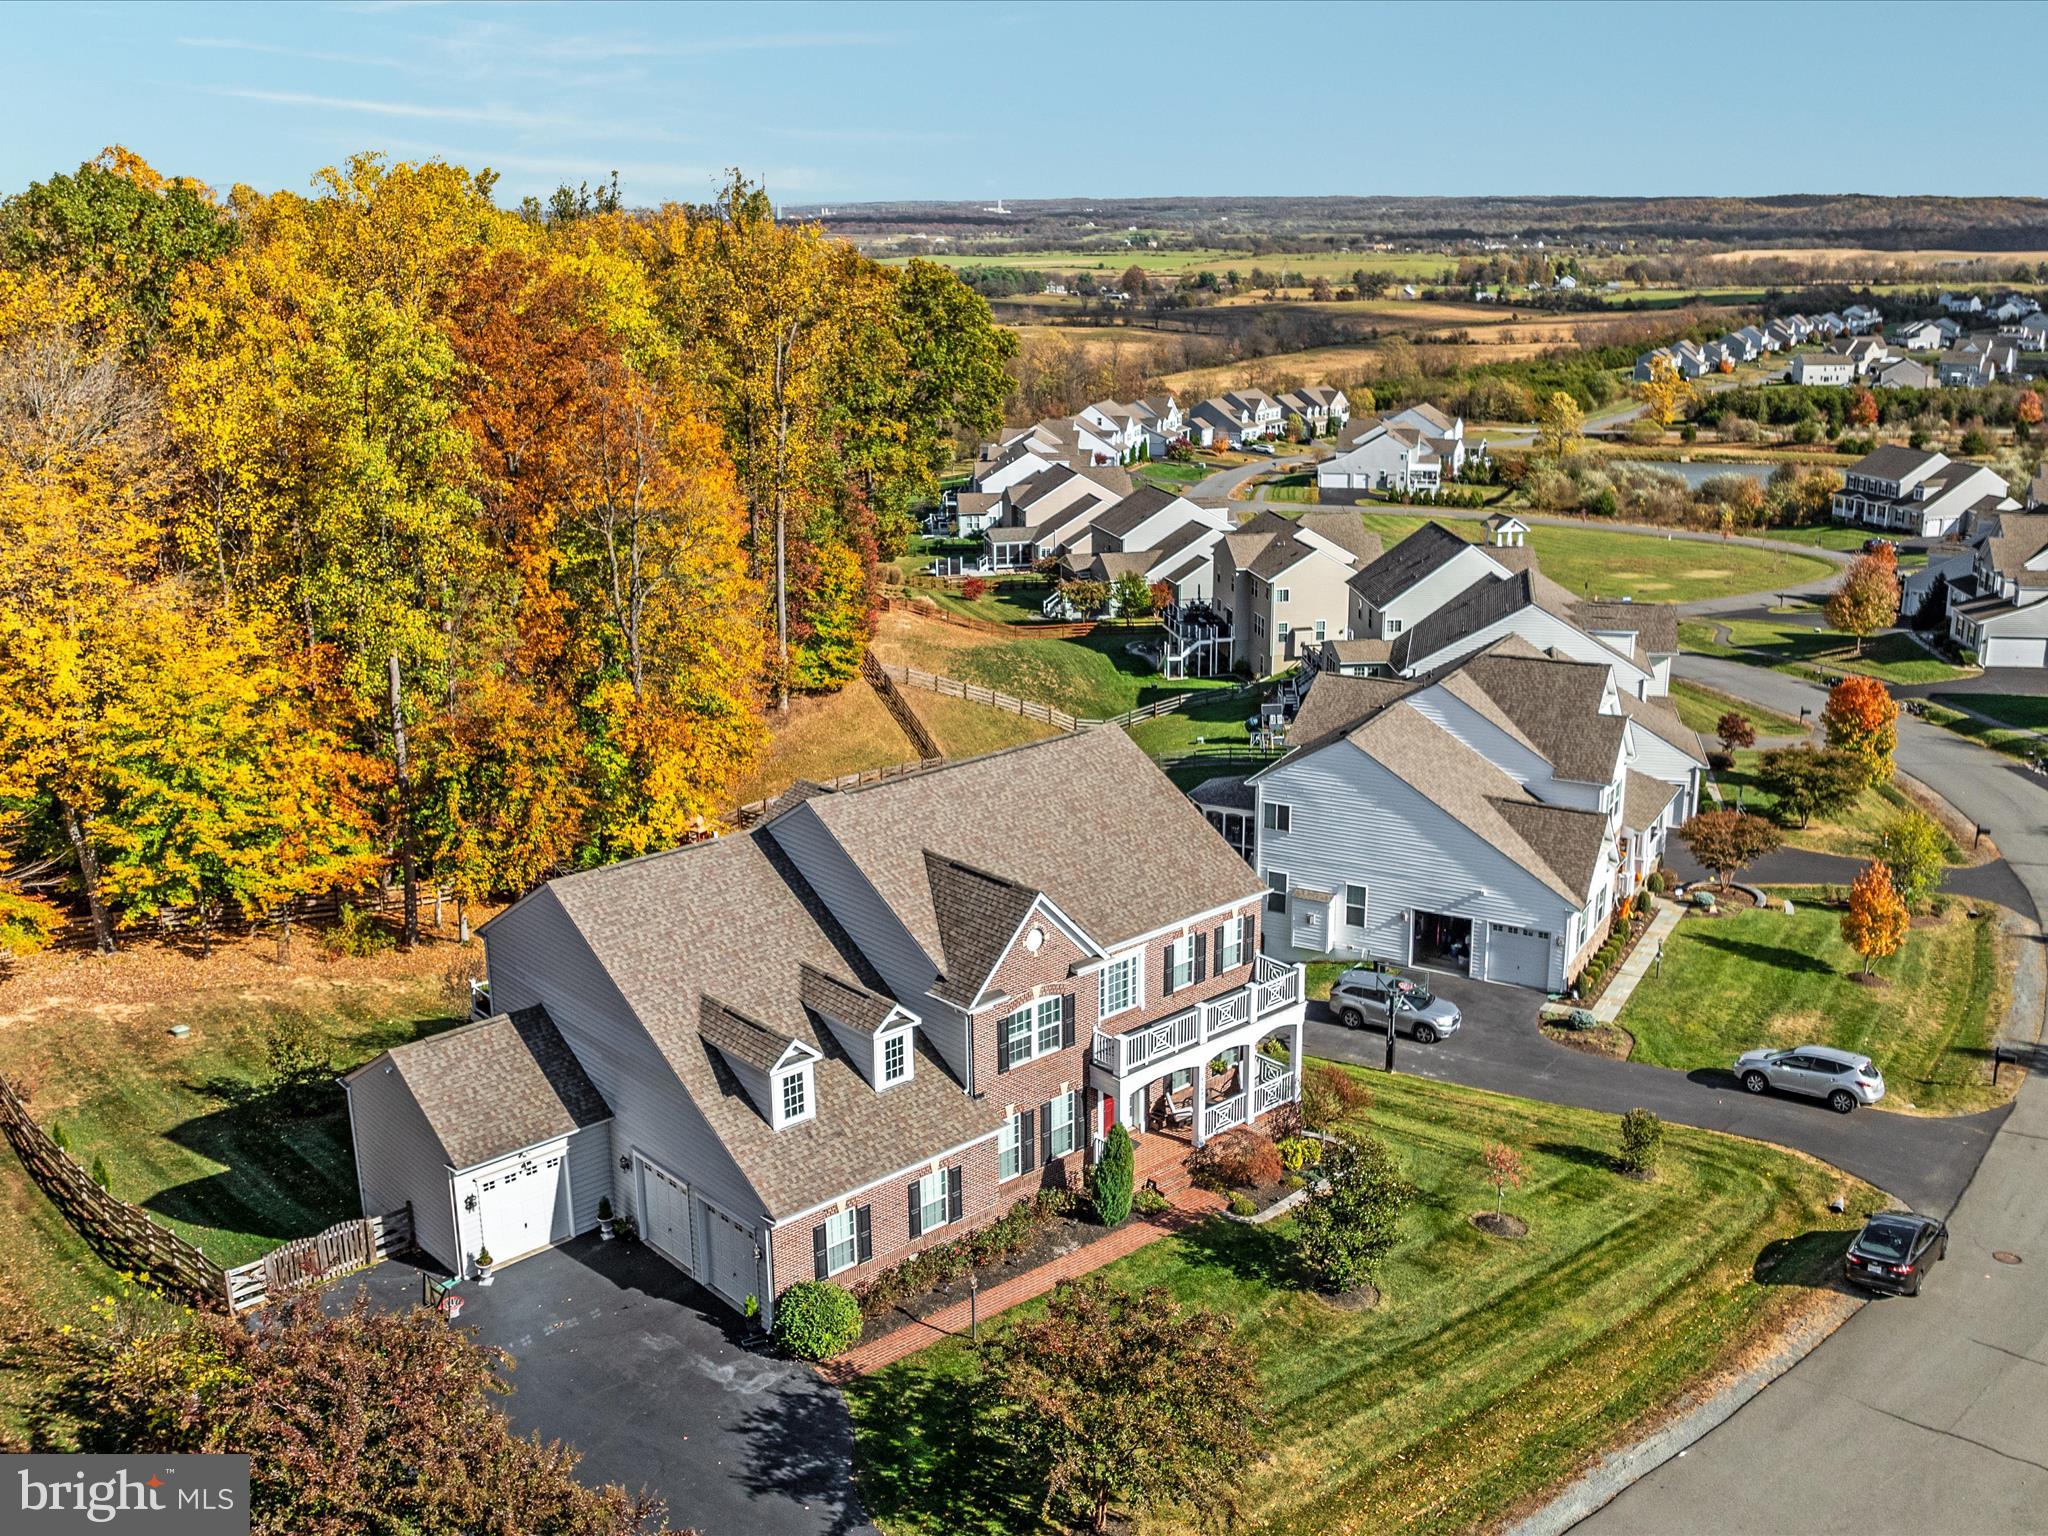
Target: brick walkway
1190 1207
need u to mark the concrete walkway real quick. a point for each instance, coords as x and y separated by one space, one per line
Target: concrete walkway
1639 961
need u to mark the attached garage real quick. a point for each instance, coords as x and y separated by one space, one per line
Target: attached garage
2013 651
491 1133
1518 956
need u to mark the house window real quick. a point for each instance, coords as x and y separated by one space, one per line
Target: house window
842 1247
1280 630
1276 891
1119 986
1230 945
1354 906
1059 1139
1278 816
1034 1030
1010 1148
1393 626
1319 631
1280 595
895 1058
931 1201
795 1096
1181 962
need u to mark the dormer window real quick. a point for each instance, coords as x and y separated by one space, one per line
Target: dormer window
895 1058
795 1095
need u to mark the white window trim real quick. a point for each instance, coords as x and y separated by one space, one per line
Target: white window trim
1056 1130
851 1240
1230 949
1366 905
1283 890
1181 961
1135 960
810 1095
1040 1010
936 1179
1010 1144
894 1037
1276 816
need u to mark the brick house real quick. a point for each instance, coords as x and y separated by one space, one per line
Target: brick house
867 1025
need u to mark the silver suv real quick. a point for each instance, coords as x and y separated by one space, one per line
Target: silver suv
1360 998
1843 1078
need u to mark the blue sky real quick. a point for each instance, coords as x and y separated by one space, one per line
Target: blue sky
837 103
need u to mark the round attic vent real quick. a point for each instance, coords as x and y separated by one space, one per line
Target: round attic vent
1034 939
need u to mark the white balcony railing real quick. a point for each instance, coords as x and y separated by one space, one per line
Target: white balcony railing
1221 1116
1274 985
1272 1092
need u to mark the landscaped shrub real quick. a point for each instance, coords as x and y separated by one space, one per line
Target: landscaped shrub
1110 1180
1642 1141
974 589
1657 882
358 934
816 1319
1328 1094
1344 1230
1239 1159
1241 1205
1299 1152
1149 1202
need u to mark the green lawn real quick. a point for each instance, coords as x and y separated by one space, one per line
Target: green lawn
1851 831
1299 486
2013 741
1008 600
1839 536
1606 563
1490 1372
1805 650
1749 979
1701 708
1171 477
186 1127
2021 711
1095 676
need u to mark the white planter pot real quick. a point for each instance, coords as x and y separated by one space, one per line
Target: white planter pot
483 1274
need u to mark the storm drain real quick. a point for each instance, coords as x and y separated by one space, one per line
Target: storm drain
2004 1256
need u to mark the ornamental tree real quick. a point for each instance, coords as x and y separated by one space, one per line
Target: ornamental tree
1725 841
1351 1221
1862 717
1735 731
1110 1181
1504 1171
1916 850
1875 923
1863 409
1119 1400
1809 782
1867 597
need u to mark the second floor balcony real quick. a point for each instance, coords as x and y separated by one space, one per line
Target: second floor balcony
1275 986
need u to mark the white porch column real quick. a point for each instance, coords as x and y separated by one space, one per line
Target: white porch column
1300 1014
1201 1096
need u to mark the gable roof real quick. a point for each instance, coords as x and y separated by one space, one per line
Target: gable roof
1556 706
1661 721
978 914
1424 551
1643 798
845 1002
746 1041
1144 502
1569 842
491 1088
1655 624
1893 461
1482 603
1347 531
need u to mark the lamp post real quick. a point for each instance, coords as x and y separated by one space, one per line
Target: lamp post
973 1307
1390 1029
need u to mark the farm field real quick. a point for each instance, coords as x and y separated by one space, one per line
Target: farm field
1489 1372
1408 265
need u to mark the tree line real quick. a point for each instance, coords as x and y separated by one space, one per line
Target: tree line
382 530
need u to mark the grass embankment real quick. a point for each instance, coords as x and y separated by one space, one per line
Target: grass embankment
823 736
968 730
1809 651
1748 979
1700 708
1491 1371
1173 477
1852 831
1095 676
2024 718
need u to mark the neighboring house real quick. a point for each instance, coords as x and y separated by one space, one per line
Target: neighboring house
973 511
1317 405
869 1025
1917 335
1164 422
1965 368
1042 515
1859 318
1950 329
2000 612
1281 583
2030 332
1387 458
1810 369
1482 819
1907 490
2013 306
1863 352
1235 418
1961 303
1901 373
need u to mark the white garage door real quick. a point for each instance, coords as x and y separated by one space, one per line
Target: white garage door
665 1216
1517 955
2014 652
731 1270
522 1204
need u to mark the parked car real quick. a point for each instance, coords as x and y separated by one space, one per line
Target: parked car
1360 999
1843 1078
1266 448
1894 1251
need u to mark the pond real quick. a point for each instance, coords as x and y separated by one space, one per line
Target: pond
1700 471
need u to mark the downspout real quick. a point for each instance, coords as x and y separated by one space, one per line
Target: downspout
768 1276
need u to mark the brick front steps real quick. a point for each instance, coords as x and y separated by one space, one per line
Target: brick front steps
1190 1208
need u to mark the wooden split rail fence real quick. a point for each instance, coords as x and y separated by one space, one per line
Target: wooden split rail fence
129 1240
1032 709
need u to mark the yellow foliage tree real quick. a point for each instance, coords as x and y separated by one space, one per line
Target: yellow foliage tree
1874 924
1666 392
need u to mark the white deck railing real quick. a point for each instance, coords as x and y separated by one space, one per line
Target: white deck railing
1220 1117
1275 985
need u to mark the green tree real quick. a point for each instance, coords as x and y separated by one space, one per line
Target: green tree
1133 595
1349 1224
1111 1181
1915 848
1809 782
1121 1400
1642 1142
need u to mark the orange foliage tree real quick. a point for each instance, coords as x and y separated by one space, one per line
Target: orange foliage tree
1867 597
1874 924
1862 717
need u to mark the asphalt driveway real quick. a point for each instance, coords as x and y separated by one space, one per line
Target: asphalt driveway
1924 1161
659 1387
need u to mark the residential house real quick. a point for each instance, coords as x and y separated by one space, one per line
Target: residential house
1235 418
2029 332
1917 335
1864 352
1482 819
1281 583
1901 373
1921 494
1859 318
2000 613
1961 303
1318 406
1444 433
1950 329
1043 515
1829 324
867 1026
1165 423
1811 369
1966 368
1386 458
2013 306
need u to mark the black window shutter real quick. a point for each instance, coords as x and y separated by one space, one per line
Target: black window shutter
916 1208
1066 1020
1166 970
818 1250
1002 1045
954 1203
1027 1141
1045 1129
1220 945
1247 938
863 1235
1200 941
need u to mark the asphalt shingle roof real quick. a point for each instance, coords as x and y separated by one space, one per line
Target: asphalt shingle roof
1423 551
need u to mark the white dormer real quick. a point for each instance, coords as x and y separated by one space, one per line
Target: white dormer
793 1096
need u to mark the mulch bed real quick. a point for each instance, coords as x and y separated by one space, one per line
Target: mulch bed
1609 1040
1724 896
1264 1196
1872 980
1058 1238
1502 1225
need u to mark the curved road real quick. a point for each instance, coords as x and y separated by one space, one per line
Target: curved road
1927 1414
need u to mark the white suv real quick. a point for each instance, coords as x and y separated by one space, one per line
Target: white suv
1843 1078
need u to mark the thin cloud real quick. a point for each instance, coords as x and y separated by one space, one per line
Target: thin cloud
280 50
502 117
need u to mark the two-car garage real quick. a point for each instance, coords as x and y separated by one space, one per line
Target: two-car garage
695 1235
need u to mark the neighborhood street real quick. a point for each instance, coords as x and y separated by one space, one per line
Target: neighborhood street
1943 1398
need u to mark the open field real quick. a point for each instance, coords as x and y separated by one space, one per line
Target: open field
1785 980
1490 1371
825 735
1336 266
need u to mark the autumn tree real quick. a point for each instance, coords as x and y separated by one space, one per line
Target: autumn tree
2026 412
1119 1400
1504 1170
1866 599
1874 923
1863 409
1915 850
1560 428
1666 392
1727 841
1862 717
1735 731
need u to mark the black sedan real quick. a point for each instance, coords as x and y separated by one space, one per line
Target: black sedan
1894 1251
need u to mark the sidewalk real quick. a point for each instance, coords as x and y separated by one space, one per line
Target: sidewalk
1639 961
1190 1207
